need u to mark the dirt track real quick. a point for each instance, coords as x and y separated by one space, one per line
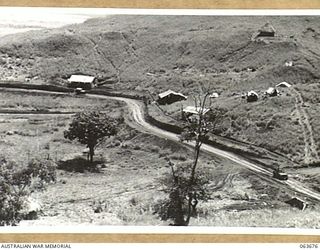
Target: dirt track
310 148
136 119
136 110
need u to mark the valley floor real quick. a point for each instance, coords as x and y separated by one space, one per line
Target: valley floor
125 190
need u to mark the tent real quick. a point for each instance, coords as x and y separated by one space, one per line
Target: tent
283 85
272 91
252 96
266 30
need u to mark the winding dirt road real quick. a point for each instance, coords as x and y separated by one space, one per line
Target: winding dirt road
137 114
136 119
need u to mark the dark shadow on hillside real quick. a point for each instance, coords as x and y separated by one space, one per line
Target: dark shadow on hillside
80 165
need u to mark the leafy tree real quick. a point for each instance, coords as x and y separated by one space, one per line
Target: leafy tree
90 128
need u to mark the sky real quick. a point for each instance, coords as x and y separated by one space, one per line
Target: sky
18 19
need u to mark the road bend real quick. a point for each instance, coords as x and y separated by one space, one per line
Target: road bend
136 110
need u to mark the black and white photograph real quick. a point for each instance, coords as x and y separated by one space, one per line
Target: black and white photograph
122 119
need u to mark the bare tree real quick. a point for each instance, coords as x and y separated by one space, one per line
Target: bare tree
186 185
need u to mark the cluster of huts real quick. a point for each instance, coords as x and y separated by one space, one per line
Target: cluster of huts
170 96
253 96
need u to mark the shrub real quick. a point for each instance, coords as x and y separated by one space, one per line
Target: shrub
61 124
154 149
137 147
17 183
178 157
42 172
181 193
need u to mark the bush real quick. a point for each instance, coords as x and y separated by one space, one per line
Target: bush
154 149
17 183
178 157
180 192
42 172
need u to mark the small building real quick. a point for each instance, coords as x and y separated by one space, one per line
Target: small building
272 91
288 64
252 96
169 97
283 85
266 30
214 95
298 203
191 110
81 81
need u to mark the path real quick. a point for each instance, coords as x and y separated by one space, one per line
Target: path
137 120
310 148
137 113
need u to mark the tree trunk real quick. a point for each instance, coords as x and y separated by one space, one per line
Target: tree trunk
91 153
189 209
177 208
192 207
195 162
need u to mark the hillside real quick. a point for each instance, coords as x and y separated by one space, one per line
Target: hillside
155 53
177 49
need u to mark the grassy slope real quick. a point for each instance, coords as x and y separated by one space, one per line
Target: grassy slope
130 157
135 45
182 52
23 137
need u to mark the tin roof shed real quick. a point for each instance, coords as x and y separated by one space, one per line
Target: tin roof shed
81 78
195 110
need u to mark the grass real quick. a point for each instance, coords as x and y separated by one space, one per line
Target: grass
25 136
183 53
250 122
125 191
15 100
267 217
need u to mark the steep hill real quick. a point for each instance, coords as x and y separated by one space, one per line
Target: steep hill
176 50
